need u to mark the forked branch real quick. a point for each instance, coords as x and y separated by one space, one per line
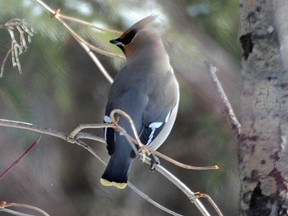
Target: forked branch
75 136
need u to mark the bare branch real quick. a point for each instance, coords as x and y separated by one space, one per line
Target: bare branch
12 212
97 62
4 61
32 127
75 139
147 150
228 110
87 47
18 160
88 24
80 39
211 201
184 166
4 205
133 127
190 194
146 197
61 135
136 140
69 139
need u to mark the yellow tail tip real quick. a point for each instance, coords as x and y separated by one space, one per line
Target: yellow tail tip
107 183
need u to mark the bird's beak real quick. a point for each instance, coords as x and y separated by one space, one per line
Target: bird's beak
114 41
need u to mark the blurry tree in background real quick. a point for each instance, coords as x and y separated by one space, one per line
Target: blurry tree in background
61 88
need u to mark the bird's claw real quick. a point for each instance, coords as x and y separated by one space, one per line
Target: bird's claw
154 162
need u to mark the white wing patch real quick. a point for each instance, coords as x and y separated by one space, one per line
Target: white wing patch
153 127
107 119
167 117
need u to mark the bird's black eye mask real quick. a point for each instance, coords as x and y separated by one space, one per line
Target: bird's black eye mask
125 39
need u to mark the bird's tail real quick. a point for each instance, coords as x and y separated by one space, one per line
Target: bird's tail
116 172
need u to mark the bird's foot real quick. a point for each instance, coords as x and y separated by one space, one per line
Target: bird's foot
154 162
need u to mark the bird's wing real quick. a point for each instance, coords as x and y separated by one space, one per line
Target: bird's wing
132 102
155 122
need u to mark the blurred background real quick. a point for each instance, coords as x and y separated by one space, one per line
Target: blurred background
60 88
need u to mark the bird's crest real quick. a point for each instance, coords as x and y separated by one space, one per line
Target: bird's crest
138 26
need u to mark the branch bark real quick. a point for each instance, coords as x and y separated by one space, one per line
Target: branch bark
75 140
87 47
263 155
228 110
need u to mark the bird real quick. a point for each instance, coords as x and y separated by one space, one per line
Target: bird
147 90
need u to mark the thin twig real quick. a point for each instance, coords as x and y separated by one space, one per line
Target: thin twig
211 201
182 165
65 17
86 46
50 132
133 127
179 184
61 135
18 160
13 212
149 151
146 197
80 39
88 126
97 62
32 127
163 171
4 61
20 205
89 136
228 110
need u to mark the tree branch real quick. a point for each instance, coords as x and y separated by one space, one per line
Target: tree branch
4 205
69 139
228 110
75 140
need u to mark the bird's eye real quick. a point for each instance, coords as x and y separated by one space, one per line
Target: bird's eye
129 36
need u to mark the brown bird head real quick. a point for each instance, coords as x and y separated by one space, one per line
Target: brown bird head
127 37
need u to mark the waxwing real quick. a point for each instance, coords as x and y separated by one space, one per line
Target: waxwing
146 89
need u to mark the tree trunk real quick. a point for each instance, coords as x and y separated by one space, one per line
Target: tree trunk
263 153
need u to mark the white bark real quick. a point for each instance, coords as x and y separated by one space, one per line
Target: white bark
264 105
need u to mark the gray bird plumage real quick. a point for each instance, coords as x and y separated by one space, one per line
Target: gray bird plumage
146 89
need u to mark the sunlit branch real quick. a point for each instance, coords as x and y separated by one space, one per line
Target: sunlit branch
88 24
97 62
86 46
4 61
4 205
76 138
210 200
13 212
69 139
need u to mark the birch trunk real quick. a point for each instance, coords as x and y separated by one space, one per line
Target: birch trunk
263 153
